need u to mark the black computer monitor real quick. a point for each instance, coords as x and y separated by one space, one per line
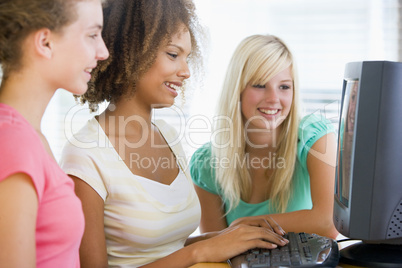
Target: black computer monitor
368 186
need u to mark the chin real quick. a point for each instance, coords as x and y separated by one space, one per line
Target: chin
164 104
160 106
78 90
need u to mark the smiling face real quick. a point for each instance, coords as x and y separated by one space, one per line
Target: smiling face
78 47
267 106
159 86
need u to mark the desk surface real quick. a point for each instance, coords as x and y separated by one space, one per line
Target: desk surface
211 265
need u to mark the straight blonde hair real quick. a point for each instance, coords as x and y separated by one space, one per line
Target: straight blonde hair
255 61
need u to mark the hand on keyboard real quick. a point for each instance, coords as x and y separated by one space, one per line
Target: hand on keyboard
262 221
236 239
303 250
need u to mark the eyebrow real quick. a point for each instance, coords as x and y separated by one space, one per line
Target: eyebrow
177 46
96 26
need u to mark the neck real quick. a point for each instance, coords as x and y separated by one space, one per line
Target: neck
262 141
28 95
125 117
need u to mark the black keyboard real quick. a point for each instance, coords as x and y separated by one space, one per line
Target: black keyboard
303 250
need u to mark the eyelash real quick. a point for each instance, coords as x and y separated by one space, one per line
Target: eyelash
281 87
172 55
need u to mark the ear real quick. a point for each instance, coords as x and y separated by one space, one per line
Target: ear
43 43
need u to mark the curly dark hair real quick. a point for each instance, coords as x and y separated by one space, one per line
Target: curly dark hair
19 18
134 30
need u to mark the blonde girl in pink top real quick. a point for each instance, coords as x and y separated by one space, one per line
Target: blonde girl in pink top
44 45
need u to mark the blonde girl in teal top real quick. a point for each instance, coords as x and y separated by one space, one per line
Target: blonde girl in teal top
311 129
263 161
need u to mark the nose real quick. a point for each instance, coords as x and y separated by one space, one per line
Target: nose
184 71
103 52
271 94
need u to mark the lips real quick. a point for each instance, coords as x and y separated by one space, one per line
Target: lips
175 87
268 111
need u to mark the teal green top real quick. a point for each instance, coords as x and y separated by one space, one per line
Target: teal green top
311 129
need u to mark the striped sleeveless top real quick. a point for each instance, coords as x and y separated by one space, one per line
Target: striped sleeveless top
144 220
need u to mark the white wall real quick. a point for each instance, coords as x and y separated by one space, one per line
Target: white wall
323 35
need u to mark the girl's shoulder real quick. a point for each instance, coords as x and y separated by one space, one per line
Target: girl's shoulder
202 155
312 125
166 129
202 166
311 129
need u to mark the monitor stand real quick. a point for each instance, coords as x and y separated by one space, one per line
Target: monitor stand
372 255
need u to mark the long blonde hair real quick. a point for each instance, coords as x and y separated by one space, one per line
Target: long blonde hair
256 60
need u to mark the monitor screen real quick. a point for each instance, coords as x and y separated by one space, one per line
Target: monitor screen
345 156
